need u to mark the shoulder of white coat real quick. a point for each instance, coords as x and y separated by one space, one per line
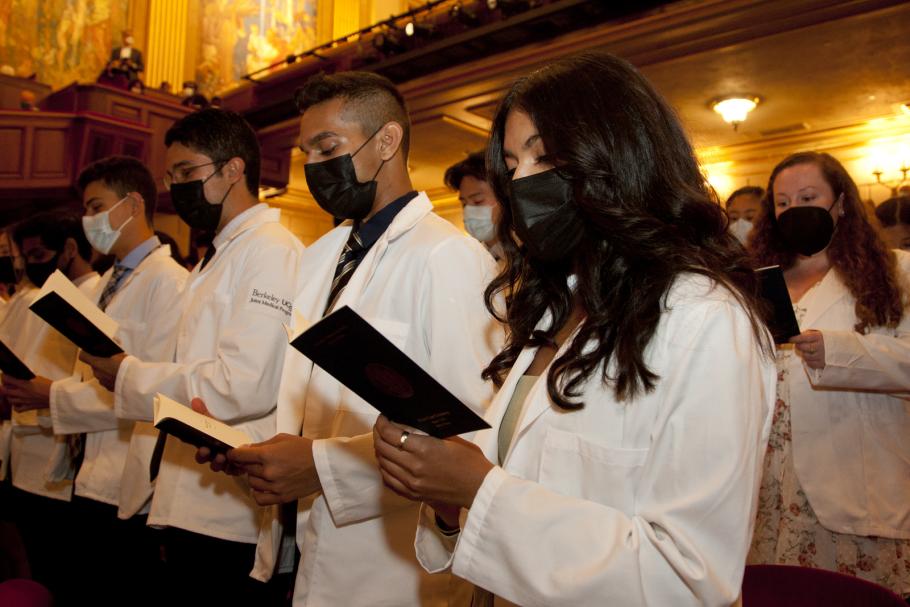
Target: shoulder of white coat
273 234
694 301
903 263
441 239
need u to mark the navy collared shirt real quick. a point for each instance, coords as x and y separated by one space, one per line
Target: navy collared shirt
370 231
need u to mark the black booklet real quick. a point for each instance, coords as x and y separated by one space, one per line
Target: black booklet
364 360
12 365
63 306
781 319
7 270
194 428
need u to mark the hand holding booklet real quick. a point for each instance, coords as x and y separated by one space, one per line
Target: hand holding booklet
352 351
63 306
194 428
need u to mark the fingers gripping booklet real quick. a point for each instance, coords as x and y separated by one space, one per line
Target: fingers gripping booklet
356 354
63 306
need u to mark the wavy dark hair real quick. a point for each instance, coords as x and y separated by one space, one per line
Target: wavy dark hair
649 216
857 253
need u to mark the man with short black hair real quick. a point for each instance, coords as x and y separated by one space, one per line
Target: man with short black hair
478 202
229 350
420 282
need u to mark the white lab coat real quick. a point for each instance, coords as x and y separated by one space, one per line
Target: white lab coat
647 502
850 422
421 285
143 306
48 354
229 352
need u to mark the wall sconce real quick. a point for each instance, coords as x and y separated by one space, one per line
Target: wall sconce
735 108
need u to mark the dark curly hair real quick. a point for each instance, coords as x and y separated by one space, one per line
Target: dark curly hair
856 252
649 216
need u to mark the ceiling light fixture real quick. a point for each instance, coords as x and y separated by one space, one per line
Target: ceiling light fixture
735 108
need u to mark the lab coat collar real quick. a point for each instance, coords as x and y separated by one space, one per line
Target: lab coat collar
407 218
252 217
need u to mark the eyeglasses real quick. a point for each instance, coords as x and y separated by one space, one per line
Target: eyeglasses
183 174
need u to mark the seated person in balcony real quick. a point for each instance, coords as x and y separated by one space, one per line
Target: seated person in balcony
125 60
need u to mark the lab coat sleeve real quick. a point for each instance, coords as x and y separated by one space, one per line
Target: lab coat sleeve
865 362
685 542
241 381
461 338
79 406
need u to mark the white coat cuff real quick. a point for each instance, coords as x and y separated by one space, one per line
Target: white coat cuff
471 540
334 497
54 405
435 551
842 349
122 404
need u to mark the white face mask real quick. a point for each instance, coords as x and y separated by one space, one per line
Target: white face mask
478 221
741 228
98 229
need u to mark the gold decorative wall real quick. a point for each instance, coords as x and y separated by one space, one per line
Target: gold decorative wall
60 40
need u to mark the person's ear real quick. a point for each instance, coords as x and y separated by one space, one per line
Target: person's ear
234 169
390 140
70 249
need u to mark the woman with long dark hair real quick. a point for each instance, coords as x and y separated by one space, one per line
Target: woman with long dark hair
836 486
636 385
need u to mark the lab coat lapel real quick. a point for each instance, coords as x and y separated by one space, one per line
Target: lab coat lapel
829 292
406 219
488 440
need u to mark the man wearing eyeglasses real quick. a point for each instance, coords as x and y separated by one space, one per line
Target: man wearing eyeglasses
229 350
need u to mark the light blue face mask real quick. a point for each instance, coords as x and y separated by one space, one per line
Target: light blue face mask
98 229
478 221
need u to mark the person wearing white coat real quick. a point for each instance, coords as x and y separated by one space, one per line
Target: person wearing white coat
419 282
139 292
835 493
230 343
623 462
43 514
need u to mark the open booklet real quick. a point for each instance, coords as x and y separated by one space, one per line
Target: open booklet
348 348
194 428
63 306
12 365
781 320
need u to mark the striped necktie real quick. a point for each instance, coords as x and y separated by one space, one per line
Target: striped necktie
111 288
348 261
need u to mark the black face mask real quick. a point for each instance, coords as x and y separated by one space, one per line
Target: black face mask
38 273
333 183
544 215
806 230
7 270
193 207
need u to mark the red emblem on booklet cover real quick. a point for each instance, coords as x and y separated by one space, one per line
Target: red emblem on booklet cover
388 381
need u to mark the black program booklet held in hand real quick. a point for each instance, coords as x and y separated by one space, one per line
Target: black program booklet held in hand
63 306
360 357
12 365
781 320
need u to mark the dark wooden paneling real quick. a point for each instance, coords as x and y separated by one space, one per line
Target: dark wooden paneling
12 142
50 153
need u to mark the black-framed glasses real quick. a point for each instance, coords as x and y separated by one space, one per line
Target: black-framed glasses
183 174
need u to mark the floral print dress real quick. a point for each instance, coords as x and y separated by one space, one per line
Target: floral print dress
787 531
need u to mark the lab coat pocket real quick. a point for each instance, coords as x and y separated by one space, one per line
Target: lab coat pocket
393 330
577 467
